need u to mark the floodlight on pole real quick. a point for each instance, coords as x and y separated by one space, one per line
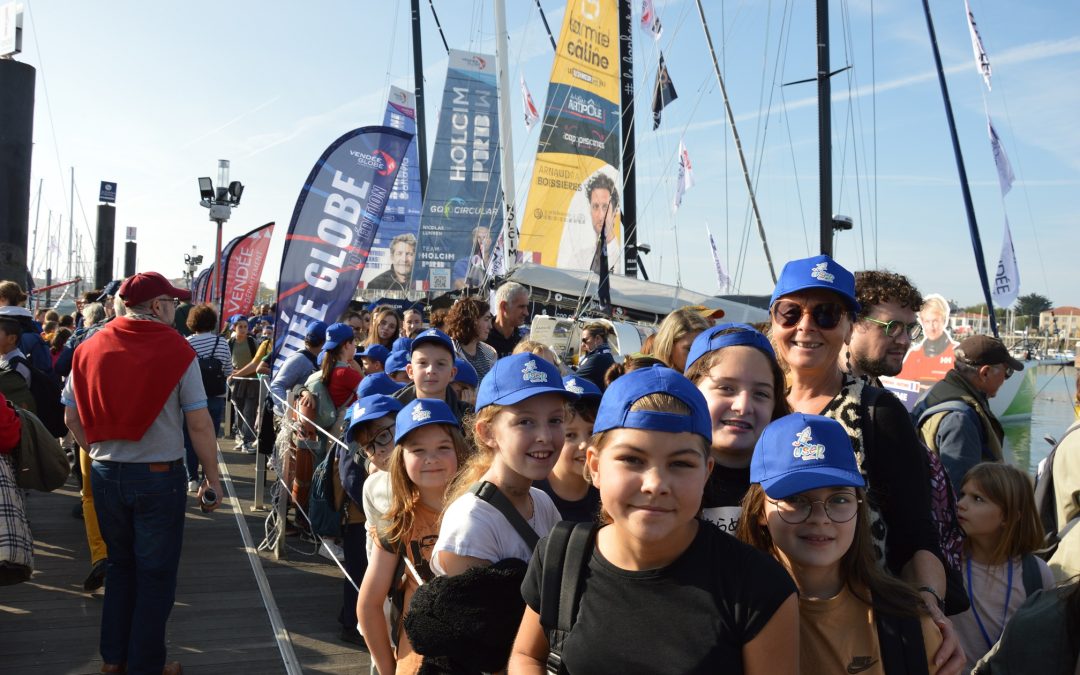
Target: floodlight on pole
220 201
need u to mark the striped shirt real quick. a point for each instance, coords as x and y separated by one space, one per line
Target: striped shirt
204 345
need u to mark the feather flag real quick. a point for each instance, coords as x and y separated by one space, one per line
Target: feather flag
1007 276
722 278
982 61
1001 160
664 92
531 115
650 20
685 180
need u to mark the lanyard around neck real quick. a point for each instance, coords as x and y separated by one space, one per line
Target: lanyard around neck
1004 612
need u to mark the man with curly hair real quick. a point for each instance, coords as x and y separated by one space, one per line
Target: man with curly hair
885 327
577 246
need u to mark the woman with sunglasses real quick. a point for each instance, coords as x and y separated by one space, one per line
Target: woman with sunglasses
808 509
812 310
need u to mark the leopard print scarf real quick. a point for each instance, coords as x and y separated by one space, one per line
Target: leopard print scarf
847 409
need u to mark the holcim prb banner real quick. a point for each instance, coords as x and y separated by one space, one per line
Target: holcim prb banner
335 220
242 265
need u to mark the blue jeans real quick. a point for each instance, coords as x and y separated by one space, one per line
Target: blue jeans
216 406
140 508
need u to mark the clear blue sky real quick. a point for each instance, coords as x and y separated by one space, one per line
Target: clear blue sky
151 95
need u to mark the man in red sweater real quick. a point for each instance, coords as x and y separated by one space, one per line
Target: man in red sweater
130 390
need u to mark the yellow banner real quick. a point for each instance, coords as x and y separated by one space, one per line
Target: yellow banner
576 183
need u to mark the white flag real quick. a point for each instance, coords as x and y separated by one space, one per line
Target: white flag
650 20
685 179
982 61
531 116
1007 276
722 278
1001 160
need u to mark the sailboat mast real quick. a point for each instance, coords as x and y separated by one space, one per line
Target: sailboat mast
738 142
418 91
629 167
506 144
71 225
37 216
969 208
824 90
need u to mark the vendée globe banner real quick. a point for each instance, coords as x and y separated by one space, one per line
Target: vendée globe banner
332 227
202 282
241 268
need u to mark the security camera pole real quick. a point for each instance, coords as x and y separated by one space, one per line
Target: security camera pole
220 202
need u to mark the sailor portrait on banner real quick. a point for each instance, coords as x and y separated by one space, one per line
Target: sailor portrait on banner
595 206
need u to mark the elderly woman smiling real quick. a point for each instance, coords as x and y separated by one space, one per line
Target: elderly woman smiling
812 310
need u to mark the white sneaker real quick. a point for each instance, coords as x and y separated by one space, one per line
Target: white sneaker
193 486
247 449
330 551
239 443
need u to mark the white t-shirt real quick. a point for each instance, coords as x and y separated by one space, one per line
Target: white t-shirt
472 527
376 504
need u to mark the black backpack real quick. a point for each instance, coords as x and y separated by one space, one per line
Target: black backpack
566 556
213 373
46 391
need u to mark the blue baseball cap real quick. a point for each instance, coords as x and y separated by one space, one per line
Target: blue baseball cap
396 362
402 344
517 377
432 336
337 334
466 374
315 330
821 271
422 412
585 388
822 456
615 412
110 290
371 408
375 351
727 335
236 317
377 383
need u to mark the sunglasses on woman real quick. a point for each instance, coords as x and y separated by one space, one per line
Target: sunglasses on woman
826 315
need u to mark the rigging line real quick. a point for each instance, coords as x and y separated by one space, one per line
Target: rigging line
86 223
795 170
48 102
850 132
390 57
543 17
727 187
873 135
738 142
438 24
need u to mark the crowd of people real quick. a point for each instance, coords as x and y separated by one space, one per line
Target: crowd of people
733 498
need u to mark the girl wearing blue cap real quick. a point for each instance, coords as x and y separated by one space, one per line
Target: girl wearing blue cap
428 449
518 432
576 499
734 367
661 590
808 508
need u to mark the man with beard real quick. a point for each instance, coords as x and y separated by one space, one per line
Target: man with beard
885 326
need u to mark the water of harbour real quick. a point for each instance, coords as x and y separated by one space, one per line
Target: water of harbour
1052 414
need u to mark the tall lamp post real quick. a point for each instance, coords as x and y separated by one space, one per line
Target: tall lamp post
220 202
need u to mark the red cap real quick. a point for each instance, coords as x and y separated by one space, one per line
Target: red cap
146 286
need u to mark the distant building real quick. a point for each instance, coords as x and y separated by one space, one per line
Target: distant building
962 324
1064 319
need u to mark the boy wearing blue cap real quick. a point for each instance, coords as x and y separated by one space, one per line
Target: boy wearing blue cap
663 590
395 366
296 369
428 448
465 381
373 358
854 617
431 369
575 498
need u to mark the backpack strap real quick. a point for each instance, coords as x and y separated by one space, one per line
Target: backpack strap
1032 575
566 556
491 494
901 642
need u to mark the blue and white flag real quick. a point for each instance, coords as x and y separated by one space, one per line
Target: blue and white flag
1001 160
982 61
335 220
1007 276
722 278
